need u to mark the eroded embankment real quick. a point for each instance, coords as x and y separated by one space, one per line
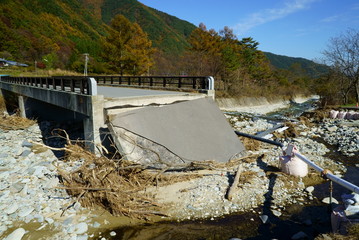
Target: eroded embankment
260 105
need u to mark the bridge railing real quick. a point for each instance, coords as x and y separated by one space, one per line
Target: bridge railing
61 83
167 82
84 85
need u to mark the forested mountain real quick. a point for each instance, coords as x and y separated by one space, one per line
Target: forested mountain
32 29
167 32
48 29
59 32
309 67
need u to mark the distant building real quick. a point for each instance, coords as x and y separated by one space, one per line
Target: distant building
6 63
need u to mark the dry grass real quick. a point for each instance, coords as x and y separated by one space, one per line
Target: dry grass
353 230
15 122
117 186
2 104
317 115
251 144
332 236
39 72
12 122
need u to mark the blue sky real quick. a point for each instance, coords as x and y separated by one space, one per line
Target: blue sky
296 28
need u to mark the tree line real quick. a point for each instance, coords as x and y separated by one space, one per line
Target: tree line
239 67
341 84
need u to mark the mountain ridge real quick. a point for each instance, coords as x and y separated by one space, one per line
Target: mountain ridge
35 30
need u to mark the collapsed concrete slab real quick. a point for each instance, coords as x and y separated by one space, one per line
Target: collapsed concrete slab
175 134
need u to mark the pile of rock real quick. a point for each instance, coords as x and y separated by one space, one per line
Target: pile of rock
29 190
342 134
207 196
29 180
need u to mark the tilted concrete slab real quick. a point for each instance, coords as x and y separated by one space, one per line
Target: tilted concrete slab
173 134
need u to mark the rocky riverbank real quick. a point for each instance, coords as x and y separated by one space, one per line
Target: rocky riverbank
257 105
33 204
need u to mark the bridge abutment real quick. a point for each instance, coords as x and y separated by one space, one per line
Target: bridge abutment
94 122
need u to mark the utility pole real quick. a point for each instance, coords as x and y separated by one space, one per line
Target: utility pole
86 61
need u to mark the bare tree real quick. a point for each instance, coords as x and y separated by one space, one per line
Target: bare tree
342 54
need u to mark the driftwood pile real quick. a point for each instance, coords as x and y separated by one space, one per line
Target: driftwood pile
119 186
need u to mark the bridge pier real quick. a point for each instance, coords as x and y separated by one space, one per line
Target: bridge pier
22 108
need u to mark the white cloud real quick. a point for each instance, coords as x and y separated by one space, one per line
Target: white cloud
330 19
271 14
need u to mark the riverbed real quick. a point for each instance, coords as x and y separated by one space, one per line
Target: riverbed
308 218
202 211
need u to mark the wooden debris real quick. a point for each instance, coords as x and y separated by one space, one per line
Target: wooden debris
234 188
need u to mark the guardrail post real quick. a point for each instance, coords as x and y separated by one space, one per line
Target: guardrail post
92 86
179 83
210 91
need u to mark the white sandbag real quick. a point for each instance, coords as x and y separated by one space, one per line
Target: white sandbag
349 115
341 115
292 165
333 114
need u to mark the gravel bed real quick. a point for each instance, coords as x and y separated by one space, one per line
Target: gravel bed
29 180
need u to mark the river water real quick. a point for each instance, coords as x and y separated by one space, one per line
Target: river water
248 225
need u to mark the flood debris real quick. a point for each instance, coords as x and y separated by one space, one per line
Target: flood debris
120 186
15 122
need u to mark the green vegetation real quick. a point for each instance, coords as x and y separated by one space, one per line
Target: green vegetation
167 33
55 34
309 68
239 67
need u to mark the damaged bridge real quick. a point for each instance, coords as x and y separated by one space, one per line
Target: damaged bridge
149 122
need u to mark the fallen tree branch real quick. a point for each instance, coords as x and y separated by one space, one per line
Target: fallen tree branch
51 148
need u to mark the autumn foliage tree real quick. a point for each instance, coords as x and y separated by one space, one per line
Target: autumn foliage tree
127 48
235 63
204 54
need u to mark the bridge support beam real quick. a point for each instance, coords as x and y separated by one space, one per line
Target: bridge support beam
93 123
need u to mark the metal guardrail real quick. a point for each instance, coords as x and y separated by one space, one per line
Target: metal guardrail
82 85
64 83
166 82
